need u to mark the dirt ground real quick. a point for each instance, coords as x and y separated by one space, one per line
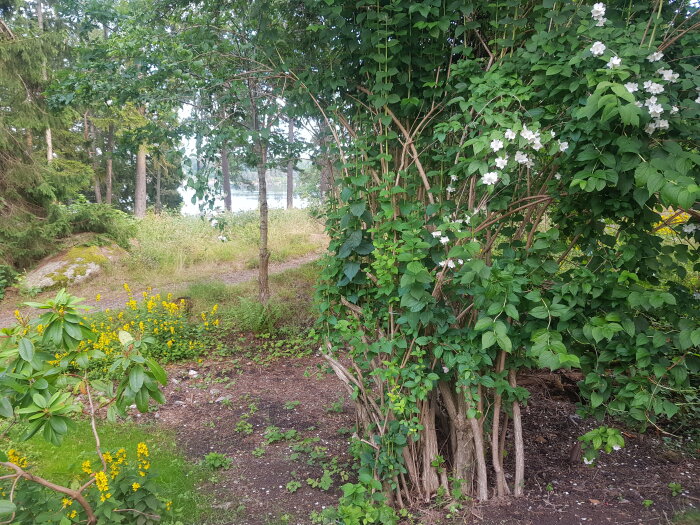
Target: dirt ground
209 413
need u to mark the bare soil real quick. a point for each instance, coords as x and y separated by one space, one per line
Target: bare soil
205 410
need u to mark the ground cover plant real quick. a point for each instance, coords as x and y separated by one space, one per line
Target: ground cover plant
40 360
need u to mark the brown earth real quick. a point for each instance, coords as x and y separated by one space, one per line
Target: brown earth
204 412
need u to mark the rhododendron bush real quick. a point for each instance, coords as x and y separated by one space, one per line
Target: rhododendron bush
507 171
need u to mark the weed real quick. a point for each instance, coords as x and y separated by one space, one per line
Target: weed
648 503
216 461
675 488
273 434
259 452
293 486
291 405
336 406
244 427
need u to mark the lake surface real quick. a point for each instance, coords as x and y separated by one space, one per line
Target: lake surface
243 201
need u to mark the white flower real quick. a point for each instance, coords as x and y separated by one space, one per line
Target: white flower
690 228
501 162
655 110
109 102
223 238
557 176
496 145
674 110
453 178
450 263
510 134
445 369
467 219
653 87
650 101
436 234
460 261
537 145
551 132
616 447
597 49
598 10
529 135
638 103
442 264
588 461
444 240
449 189
600 22
521 158
661 124
697 100
655 57
563 146
490 178
650 128
614 62
696 296
668 75
632 87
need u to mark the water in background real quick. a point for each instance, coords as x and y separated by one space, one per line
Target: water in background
243 201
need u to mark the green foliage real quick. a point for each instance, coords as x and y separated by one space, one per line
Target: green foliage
41 372
216 461
252 316
516 227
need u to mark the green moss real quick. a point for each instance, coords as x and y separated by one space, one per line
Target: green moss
78 258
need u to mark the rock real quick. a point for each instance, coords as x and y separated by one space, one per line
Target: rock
72 266
179 403
222 399
214 391
193 373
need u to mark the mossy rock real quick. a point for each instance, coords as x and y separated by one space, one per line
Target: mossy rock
75 265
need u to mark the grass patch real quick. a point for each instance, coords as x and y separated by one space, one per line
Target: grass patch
178 479
290 305
173 243
689 517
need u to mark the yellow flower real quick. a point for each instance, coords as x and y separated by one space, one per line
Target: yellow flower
168 504
126 288
98 297
169 343
66 502
73 513
101 482
135 486
142 450
107 457
14 457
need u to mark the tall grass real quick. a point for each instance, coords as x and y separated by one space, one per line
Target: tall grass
172 243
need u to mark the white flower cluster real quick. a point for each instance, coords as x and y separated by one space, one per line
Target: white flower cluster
598 14
450 263
443 238
652 104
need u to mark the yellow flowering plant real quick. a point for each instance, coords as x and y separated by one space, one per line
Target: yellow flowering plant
44 385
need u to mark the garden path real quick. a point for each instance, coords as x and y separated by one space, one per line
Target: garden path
116 299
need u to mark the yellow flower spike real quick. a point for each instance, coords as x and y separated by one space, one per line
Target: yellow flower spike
101 482
14 457
135 486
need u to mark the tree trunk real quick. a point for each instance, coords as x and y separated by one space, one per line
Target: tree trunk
264 286
140 194
261 147
226 175
108 162
157 167
45 78
95 163
290 169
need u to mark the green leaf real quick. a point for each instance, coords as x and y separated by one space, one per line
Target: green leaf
596 399
6 410
39 400
157 371
350 269
487 340
539 312
136 378
358 208
7 507
26 349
